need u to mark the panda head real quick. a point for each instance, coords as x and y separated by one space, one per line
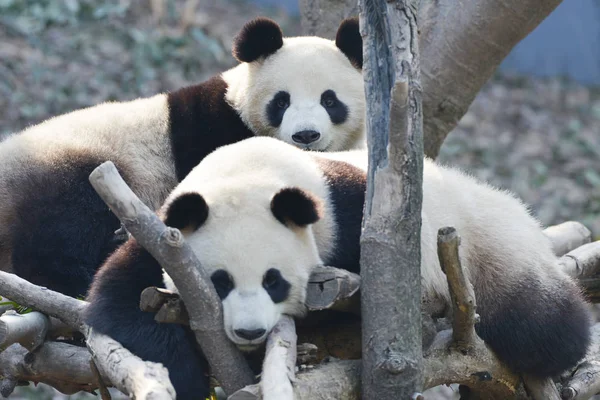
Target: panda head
256 249
306 91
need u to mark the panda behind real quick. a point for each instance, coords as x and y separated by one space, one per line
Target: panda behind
259 230
54 229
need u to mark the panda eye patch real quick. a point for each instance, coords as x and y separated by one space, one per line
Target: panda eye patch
337 110
276 286
277 107
222 282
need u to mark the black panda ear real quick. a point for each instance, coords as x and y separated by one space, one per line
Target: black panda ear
260 37
187 211
296 206
349 41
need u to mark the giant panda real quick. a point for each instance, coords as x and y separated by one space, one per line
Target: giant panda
259 231
54 229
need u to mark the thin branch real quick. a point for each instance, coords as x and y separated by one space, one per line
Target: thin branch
461 290
51 303
568 236
541 389
104 393
169 248
128 373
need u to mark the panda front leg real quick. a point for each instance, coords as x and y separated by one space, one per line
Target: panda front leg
114 311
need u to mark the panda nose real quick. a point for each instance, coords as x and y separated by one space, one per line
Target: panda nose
250 334
306 137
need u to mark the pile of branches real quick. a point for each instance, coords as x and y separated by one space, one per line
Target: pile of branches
453 353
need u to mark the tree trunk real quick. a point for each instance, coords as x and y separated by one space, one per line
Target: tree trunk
390 243
461 45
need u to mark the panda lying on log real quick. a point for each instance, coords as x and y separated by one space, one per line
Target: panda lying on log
259 231
54 229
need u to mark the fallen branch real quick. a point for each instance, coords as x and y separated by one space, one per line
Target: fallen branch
168 247
65 308
128 373
568 236
60 365
29 330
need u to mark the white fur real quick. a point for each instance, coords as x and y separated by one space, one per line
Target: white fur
305 67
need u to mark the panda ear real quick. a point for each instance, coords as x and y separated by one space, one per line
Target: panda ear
188 210
349 41
260 37
296 206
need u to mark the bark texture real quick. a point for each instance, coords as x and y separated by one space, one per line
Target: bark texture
390 242
140 379
322 17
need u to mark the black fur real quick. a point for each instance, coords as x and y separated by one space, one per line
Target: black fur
296 206
276 285
114 310
188 210
277 107
259 38
349 41
347 185
337 110
534 330
201 121
61 231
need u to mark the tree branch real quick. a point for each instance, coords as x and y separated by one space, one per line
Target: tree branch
60 365
584 382
462 296
567 236
140 379
51 303
279 365
168 247
29 330
461 48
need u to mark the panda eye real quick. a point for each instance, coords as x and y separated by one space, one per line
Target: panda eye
329 99
222 282
282 103
329 102
271 278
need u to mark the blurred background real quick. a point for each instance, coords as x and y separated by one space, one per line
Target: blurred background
533 129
